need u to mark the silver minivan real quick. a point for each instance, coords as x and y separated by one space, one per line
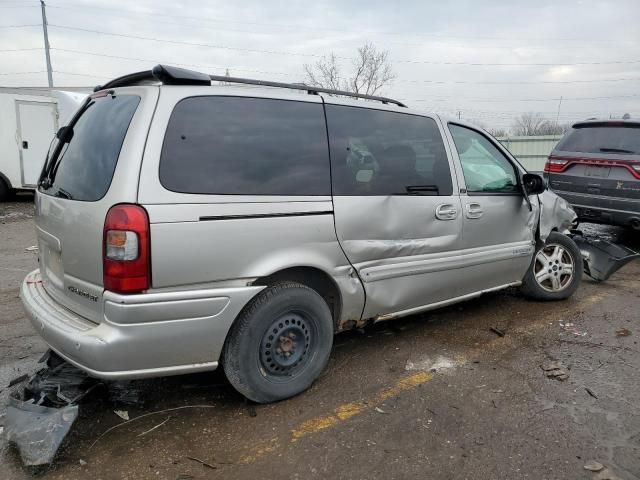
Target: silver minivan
182 225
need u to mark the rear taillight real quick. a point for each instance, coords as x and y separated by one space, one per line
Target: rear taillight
126 249
555 164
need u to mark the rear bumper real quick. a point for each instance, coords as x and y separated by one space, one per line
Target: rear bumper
145 335
600 209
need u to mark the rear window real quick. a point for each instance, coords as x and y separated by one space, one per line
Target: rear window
374 152
86 165
246 146
616 139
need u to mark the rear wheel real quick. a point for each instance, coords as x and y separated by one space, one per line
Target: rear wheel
279 344
556 270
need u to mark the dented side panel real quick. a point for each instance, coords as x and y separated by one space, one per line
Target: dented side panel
394 234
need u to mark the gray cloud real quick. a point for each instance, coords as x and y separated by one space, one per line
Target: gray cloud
515 32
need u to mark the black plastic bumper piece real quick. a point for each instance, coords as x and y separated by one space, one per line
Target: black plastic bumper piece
602 258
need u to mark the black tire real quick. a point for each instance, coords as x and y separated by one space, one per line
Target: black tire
263 356
5 191
558 284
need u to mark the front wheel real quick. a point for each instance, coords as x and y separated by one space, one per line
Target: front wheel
279 344
556 270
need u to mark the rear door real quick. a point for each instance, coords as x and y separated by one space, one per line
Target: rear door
37 123
98 168
498 225
397 216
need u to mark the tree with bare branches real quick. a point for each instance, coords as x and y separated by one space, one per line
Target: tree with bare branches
531 123
371 72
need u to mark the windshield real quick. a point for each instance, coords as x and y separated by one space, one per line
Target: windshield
617 139
84 167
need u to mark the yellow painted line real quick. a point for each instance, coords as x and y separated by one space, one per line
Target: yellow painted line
349 410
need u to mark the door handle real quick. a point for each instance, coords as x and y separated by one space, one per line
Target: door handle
25 144
474 210
446 211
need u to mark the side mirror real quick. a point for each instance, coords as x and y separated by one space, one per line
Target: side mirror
533 184
65 134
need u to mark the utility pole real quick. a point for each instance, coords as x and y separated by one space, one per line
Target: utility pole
558 114
46 43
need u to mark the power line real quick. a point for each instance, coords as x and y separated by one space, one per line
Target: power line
443 82
80 74
178 42
497 100
20 49
279 52
21 73
155 61
308 27
432 82
21 26
253 31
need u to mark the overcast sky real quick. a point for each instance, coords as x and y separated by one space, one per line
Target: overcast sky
425 39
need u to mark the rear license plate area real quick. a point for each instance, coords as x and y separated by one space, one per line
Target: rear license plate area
597 171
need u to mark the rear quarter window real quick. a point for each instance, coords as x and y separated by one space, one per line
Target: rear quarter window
246 146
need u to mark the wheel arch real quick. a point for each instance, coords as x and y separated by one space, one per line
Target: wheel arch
312 277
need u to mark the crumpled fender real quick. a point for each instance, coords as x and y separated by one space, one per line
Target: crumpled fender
555 215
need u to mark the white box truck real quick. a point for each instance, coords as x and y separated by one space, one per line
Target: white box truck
29 118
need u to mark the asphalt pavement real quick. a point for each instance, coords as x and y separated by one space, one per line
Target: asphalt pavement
441 395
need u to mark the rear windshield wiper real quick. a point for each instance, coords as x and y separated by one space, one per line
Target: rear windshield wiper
418 189
62 193
616 150
64 135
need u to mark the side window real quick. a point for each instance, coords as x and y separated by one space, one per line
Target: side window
246 146
485 167
374 152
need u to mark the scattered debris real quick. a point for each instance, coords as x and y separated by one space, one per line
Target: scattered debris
623 332
593 466
251 407
37 430
154 428
32 248
379 410
41 413
19 379
82 462
571 328
430 365
590 392
607 474
145 416
555 370
497 331
127 392
202 462
123 414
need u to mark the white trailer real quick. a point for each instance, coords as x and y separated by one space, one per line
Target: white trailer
29 118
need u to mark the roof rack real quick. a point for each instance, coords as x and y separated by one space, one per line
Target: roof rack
179 76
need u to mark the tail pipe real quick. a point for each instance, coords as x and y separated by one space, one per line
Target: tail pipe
635 223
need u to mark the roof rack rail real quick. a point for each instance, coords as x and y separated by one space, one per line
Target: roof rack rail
179 76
